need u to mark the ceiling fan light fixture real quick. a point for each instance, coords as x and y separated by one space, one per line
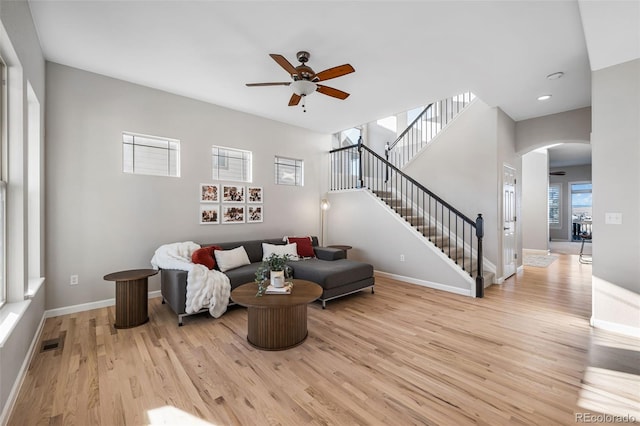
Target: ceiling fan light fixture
303 87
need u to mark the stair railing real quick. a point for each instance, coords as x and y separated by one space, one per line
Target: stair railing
457 236
425 127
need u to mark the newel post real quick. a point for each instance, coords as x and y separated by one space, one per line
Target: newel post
386 167
480 277
360 177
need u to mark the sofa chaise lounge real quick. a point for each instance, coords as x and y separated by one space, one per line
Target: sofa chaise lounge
330 269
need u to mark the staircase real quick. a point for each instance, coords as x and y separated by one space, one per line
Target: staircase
454 234
441 231
425 127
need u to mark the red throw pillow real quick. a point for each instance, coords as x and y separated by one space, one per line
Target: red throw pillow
305 249
204 256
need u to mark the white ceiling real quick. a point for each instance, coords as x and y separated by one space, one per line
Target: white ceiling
405 54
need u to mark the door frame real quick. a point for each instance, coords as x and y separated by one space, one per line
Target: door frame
515 221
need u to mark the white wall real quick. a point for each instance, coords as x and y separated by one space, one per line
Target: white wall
573 174
568 126
535 223
101 220
616 189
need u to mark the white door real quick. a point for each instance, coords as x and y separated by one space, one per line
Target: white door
509 222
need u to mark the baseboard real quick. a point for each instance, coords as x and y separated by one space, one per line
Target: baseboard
89 306
423 283
17 385
627 330
535 251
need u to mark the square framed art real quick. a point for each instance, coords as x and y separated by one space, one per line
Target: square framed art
209 214
254 194
255 214
232 214
232 194
209 193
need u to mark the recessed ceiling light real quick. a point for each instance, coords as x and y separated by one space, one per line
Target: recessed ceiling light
555 75
544 97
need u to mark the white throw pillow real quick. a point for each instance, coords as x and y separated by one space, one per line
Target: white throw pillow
230 259
279 249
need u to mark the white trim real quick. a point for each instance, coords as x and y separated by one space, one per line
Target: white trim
15 389
615 327
89 306
535 251
424 283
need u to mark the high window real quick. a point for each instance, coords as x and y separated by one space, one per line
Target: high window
231 164
350 136
150 155
289 171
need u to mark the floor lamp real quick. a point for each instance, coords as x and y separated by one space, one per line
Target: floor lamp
324 206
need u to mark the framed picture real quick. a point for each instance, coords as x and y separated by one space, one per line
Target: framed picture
254 214
254 194
209 215
233 214
232 194
209 193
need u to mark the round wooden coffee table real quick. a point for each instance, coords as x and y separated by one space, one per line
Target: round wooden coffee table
276 321
131 296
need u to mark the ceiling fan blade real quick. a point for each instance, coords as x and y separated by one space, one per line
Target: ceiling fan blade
330 91
335 72
269 84
282 61
559 173
295 100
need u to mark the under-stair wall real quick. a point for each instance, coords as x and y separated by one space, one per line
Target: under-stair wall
381 237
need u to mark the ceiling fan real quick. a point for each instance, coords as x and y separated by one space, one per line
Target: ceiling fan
558 173
305 80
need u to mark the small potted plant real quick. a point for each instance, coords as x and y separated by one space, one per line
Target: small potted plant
276 264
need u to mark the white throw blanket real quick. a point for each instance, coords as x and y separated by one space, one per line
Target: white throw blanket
205 288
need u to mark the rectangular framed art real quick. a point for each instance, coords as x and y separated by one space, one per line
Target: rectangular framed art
254 214
232 214
209 193
209 214
254 194
232 194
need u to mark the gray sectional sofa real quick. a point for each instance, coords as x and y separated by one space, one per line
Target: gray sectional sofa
330 269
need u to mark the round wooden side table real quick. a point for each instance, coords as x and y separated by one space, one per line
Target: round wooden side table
131 296
276 321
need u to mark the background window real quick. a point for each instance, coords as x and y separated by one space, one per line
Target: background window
150 155
289 171
231 164
554 205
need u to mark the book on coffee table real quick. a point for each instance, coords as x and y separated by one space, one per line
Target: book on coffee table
278 290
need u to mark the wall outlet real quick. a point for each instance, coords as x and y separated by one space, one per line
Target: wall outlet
402 258
73 280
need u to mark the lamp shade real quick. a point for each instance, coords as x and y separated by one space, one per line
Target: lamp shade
324 204
303 87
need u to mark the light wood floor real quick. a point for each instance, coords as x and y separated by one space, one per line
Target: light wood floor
524 354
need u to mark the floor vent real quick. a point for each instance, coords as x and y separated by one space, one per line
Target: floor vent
53 344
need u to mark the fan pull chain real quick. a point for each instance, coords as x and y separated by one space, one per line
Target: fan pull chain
304 108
